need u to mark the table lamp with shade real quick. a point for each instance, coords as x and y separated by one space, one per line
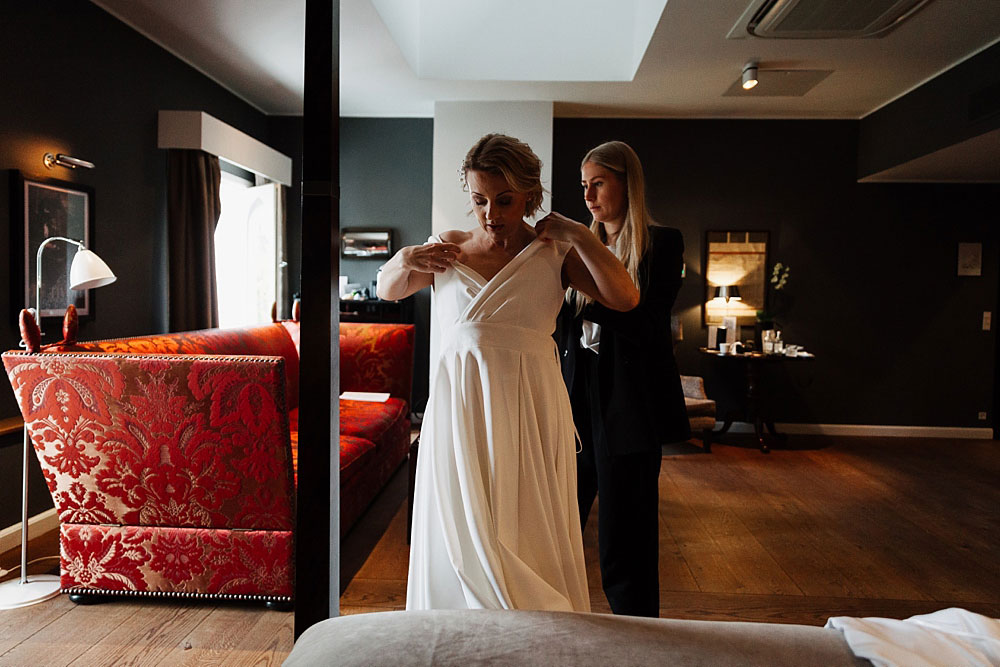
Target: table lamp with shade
87 271
728 293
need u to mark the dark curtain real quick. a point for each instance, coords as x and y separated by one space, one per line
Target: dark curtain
193 209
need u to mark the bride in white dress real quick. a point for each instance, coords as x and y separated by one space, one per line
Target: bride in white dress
495 518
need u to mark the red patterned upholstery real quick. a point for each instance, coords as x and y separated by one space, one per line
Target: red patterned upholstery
179 561
172 466
373 421
377 357
269 339
161 442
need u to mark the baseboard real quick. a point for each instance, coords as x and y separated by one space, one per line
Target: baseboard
38 525
953 432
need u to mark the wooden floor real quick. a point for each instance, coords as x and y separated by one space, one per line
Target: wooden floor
844 526
847 526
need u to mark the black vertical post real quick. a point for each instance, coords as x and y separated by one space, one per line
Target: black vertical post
317 525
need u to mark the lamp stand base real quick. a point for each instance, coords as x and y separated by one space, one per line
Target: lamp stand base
37 588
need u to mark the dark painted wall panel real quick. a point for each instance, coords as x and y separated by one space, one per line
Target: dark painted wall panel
875 293
386 169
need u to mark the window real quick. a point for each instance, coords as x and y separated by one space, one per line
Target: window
246 247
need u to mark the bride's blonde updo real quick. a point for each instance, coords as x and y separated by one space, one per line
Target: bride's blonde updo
511 158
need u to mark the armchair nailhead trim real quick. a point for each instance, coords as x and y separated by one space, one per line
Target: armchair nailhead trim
178 594
257 359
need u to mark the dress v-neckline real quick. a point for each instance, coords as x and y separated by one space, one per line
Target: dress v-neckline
483 281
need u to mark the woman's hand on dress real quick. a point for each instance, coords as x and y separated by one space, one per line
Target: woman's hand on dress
557 227
430 257
413 268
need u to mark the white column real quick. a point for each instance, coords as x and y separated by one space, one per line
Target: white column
457 126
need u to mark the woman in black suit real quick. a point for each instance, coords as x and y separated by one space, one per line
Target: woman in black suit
624 386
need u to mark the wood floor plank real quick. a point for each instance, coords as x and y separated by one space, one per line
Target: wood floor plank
236 636
391 555
381 593
145 638
839 513
75 632
804 610
838 562
378 530
675 572
753 569
709 567
887 531
860 526
787 533
920 501
17 625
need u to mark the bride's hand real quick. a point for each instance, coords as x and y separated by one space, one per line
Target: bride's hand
557 227
430 257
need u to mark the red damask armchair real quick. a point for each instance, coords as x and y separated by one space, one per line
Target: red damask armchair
171 474
171 458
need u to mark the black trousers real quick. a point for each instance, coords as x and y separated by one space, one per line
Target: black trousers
627 490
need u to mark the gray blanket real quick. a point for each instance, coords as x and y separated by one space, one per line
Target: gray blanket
444 637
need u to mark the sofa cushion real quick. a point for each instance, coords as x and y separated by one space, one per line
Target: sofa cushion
355 454
699 407
371 420
354 451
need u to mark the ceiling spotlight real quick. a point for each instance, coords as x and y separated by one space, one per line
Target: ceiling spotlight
749 75
66 161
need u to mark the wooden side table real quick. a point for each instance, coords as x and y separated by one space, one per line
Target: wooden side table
757 410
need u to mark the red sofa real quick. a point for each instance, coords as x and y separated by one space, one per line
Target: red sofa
170 458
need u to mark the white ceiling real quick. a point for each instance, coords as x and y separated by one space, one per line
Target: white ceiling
254 48
557 40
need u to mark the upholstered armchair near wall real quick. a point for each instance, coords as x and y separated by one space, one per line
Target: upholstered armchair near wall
700 408
171 473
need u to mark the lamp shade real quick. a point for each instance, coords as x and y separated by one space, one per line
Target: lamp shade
728 293
88 270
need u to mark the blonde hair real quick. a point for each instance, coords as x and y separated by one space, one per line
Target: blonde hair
633 238
511 158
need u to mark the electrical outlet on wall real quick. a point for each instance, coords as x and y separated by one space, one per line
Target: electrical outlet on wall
987 320
982 416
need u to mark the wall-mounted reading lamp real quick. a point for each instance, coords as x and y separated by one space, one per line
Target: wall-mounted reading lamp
66 161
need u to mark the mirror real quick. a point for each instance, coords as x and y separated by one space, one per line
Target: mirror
734 259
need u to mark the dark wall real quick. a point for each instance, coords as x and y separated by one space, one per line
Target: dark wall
873 290
78 81
386 169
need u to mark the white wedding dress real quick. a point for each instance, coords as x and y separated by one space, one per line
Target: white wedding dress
495 517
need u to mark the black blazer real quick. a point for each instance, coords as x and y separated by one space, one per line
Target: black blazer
641 397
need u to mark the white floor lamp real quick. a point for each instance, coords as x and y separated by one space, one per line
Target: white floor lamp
87 271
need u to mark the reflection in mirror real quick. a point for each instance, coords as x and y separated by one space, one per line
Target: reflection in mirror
734 259
358 242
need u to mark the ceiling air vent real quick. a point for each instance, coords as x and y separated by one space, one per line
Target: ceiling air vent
830 19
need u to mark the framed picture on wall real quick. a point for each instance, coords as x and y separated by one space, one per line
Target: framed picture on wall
366 242
46 208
